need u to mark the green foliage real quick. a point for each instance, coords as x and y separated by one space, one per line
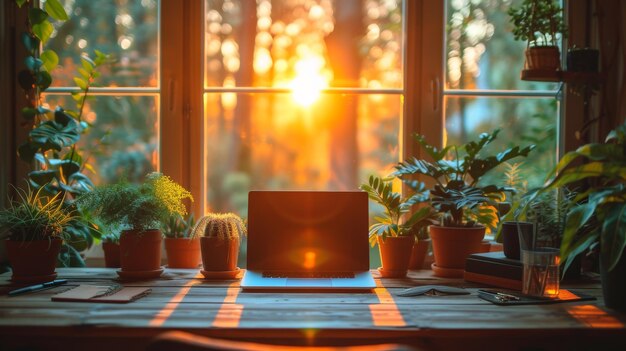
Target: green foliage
179 227
538 22
35 216
224 226
51 143
390 223
136 206
600 215
456 170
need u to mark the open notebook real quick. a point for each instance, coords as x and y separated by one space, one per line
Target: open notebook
102 293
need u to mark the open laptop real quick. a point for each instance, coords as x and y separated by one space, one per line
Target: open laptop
308 240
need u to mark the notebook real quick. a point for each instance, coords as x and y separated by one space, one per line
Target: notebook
308 240
102 293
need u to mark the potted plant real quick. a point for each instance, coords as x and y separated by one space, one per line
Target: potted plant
540 24
34 229
420 248
599 218
111 248
182 250
395 236
141 210
220 236
465 207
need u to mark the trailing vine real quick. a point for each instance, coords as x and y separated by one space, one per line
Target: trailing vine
52 143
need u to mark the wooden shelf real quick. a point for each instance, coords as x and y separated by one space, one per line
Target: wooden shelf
561 76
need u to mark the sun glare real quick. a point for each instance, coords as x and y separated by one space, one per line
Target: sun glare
307 85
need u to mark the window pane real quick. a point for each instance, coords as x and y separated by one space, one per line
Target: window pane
127 30
277 144
481 50
122 141
314 43
523 121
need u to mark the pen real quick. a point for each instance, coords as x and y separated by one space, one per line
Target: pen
499 295
37 287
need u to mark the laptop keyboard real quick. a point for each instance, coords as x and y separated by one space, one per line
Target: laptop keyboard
308 274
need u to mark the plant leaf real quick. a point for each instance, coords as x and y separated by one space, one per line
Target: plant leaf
37 15
56 10
43 31
50 60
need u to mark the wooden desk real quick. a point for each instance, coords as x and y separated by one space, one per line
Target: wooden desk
181 300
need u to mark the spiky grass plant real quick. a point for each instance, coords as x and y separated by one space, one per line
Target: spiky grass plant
179 227
137 206
224 226
34 216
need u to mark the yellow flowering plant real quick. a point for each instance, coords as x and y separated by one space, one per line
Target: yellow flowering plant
137 206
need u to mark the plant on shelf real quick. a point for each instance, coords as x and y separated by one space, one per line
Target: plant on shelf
464 206
394 233
141 210
540 24
34 227
220 235
182 250
599 218
52 144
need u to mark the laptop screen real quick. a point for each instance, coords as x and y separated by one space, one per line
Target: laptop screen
308 231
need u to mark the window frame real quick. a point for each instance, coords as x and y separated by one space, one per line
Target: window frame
423 93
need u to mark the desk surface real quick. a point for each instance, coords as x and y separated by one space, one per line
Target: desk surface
182 300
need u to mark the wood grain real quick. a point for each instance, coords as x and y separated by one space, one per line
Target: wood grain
181 300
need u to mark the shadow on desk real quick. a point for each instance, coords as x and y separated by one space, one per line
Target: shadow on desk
181 341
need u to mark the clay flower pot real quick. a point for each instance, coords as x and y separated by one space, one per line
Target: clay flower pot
33 261
219 255
140 254
111 254
395 254
452 245
182 252
418 254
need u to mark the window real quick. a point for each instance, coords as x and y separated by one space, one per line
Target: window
285 94
483 91
123 140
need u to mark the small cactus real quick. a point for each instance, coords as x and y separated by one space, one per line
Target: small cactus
224 226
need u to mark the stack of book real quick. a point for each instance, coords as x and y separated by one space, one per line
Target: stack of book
495 269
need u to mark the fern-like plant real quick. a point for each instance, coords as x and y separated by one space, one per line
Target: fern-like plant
224 226
136 206
457 195
34 216
390 222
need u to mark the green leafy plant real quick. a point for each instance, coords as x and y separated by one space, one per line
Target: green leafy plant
538 22
390 222
600 213
457 195
136 206
52 142
34 216
179 227
224 226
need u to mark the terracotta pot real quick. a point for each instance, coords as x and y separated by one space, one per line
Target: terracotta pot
140 251
451 245
218 254
543 58
182 252
418 254
111 254
395 254
33 261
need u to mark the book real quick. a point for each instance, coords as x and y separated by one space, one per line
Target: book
493 268
102 293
